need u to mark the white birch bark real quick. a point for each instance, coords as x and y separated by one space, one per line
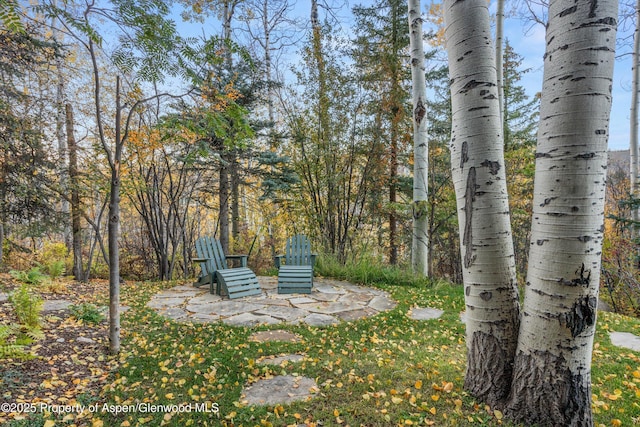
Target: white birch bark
634 178
552 370
478 171
420 238
499 59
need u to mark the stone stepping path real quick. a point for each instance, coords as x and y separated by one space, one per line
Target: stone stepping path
279 360
275 335
280 390
625 340
424 313
329 303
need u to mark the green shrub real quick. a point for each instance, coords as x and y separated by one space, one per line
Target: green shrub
56 269
86 312
32 277
27 307
54 258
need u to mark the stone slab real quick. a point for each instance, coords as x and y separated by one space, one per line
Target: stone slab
204 317
287 314
425 313
323 307
165 302
231 308
327 289
273 360
56 304
321 320
382 303
275 335
626 340
206 298
250 320
296 301
353 315
282 389
356 298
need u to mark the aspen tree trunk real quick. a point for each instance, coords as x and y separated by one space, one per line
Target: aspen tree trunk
552 370
499 57
478 172
634 178
420 238
76 225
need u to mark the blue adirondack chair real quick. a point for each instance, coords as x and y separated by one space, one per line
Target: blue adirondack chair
222 280
295 267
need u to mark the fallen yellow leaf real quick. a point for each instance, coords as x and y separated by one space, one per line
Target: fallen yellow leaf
433 411
418 384
498 414
49 423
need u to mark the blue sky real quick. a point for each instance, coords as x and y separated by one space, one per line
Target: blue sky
528 40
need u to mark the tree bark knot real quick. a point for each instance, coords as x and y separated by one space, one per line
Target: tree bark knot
419 112
581 316
469 198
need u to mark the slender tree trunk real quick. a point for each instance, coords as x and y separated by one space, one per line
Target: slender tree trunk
113 234
234 175
478 172
393 198
1 244
552 372
420 238
634 178
499 60
76 214
62 143
224 206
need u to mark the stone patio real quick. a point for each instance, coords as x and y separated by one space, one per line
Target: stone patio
329 303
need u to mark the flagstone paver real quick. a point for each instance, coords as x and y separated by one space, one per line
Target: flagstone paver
278 360
282 389
329 303
275 335
424 313
626 340
56 304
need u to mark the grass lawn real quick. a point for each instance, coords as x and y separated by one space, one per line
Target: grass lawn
381 371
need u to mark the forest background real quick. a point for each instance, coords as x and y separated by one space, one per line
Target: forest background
256 120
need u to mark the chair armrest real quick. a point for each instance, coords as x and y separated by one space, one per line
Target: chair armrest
242 258
278 260
200 259
313 260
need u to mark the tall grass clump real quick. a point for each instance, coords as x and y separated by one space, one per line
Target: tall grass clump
368 270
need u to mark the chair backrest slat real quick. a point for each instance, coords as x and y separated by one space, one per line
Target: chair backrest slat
298 250
201 251
211 249
217 254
